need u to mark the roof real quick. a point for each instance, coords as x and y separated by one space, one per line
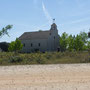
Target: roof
35 35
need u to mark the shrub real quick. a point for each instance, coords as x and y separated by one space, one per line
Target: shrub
48 55
1 61
44 58
15 59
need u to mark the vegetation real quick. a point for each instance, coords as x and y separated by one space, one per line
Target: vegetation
15 46
74 43
4 46
5 30
74 49
11 58
64 41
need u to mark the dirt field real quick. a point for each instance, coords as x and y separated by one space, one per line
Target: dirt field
45 77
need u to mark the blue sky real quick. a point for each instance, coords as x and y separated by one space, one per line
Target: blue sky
72 16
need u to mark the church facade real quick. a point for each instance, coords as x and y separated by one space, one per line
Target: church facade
41 40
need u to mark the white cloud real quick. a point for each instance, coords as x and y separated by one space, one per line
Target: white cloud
46 13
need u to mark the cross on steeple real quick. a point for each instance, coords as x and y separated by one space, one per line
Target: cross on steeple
54 20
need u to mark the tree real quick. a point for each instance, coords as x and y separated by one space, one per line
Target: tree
4 46
15 46
5 30
70 43
78 43
64 41
84 37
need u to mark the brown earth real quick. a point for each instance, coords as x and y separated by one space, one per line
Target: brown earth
45 77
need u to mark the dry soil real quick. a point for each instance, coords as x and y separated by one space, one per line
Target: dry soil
45 77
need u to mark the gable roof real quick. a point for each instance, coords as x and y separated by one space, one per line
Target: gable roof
35 35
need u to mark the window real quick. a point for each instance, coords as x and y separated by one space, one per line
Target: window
31 44
54 37
39 44
24 44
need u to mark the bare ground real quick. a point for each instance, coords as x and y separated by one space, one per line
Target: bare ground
45 77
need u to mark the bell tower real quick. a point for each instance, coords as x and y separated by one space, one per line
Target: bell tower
53 28
54 37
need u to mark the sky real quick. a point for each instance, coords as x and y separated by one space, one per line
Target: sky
71 16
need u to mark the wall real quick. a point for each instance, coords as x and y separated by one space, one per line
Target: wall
35 45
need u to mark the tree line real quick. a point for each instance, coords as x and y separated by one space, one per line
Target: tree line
79 42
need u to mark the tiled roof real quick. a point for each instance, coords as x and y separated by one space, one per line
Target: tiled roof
35 35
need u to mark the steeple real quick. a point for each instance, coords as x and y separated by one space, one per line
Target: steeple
53 26
53 29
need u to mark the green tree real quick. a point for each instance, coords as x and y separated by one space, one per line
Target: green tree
70 43
84 37
15 46
64 41
5 30
78 43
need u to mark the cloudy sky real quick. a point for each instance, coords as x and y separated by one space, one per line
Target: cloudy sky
72 16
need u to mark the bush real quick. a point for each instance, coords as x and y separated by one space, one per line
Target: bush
40 60
1 61
7 58
15 59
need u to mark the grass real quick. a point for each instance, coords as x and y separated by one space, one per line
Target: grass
9 58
